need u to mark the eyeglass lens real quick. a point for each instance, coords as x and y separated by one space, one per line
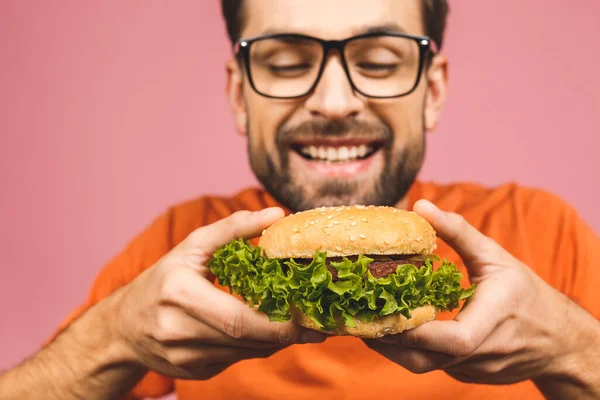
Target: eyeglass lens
379 66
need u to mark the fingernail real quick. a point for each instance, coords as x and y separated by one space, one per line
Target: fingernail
267 211
313 337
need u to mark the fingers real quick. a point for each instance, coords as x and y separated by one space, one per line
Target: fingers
463 335
242 224
175 327
414 360
227 314
192 362
470 244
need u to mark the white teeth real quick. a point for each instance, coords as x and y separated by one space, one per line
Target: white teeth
336 154
322 153
332 154
343 153
353 153
362 150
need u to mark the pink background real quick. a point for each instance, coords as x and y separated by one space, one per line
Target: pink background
110 111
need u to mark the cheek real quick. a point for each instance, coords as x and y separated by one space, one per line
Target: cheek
403 115
265 117
262 125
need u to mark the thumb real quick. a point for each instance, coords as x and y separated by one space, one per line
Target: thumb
242 224
471 245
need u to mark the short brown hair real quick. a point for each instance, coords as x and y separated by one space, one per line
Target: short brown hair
434 18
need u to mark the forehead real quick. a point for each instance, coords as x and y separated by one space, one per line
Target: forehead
330 19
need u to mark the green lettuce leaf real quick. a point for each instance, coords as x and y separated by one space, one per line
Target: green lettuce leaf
275 284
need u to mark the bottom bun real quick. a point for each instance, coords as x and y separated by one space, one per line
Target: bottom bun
388 325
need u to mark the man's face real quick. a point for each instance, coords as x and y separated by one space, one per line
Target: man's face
335 146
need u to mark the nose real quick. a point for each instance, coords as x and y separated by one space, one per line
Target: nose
334 97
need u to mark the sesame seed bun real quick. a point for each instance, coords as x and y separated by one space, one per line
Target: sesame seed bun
347 231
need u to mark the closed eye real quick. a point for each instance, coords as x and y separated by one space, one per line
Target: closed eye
377 66
283 69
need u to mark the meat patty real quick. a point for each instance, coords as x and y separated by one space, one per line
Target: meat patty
380 268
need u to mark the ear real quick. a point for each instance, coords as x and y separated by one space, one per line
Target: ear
437 91
234 89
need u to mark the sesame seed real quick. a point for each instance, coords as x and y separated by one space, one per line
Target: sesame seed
352 238
362 236
335 222
338 248
364 220
329 225
353 224
312 222
295 229
316 221
263 232
329 216
351 217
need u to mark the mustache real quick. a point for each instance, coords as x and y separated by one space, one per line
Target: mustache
341 129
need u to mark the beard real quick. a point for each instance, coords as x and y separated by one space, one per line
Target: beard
401 166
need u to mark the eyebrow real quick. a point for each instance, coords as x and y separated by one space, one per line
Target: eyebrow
388 27
381 28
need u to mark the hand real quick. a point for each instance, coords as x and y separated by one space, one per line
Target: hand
515 327
178 324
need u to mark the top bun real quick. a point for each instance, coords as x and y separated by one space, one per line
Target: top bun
347 231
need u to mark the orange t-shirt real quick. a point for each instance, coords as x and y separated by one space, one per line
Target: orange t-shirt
536 227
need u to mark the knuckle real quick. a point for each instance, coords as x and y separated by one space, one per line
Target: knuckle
492 367
286 334
462 345
171 286
414 337
234 325
458 218
236 219
166 328
419 366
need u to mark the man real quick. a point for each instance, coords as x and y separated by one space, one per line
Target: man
335 98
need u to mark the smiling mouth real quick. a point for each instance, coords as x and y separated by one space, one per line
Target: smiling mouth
336 153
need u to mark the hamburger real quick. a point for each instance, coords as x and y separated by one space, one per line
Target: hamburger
364 271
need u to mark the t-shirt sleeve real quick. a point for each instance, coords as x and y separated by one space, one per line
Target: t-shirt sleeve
143 252
566 247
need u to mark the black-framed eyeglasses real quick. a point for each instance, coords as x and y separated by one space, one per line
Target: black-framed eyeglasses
378 65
